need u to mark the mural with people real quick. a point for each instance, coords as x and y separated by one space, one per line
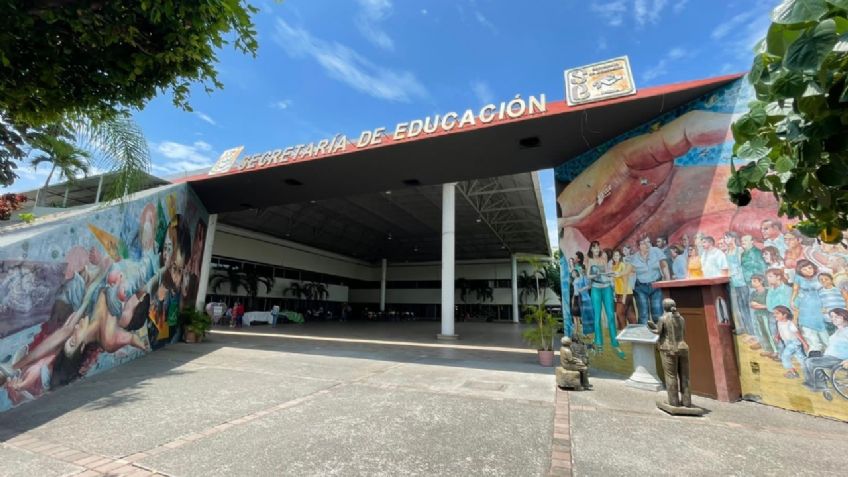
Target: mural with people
652 205
88 290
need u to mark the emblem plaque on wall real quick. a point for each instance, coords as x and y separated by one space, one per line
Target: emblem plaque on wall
226 161
599 81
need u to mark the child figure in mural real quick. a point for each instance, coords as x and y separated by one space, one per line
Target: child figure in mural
792 343
807 305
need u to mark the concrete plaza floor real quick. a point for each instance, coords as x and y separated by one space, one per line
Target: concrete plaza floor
258 401
388 399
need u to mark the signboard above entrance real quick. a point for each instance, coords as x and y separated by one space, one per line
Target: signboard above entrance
434 125
599 81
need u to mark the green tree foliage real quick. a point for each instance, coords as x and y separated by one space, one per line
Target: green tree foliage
794 138
95 57
71 61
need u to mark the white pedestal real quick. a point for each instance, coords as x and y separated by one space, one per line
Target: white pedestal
645 368
644 365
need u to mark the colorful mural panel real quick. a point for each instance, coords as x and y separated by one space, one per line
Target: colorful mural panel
652 205
88 290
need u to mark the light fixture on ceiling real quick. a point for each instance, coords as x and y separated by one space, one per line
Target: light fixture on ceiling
415 249
389 236
313 201
388 192
479 220
529 142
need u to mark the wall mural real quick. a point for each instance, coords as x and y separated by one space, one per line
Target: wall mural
663 186
85 292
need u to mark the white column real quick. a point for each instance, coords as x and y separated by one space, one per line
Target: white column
203 282
448 256
514 280
383 287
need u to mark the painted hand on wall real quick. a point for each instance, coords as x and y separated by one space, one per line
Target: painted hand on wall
624 193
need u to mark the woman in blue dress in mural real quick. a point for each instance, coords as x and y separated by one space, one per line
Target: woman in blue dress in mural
807 305
581 288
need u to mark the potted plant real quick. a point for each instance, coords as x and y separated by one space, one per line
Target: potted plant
541 335
197 323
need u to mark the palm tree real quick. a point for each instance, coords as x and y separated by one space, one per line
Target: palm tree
67 158
115 144
552 278
231 276
252 279
118 145
249 280
527 285
484 293
300 291
464 286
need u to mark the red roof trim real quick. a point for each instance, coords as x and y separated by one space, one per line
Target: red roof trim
553 108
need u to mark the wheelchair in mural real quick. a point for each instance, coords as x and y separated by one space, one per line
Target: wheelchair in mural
835 377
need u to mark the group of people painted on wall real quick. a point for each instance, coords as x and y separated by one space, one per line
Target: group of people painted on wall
118 294
789 292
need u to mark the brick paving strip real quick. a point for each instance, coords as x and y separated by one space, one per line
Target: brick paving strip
561 462
92 464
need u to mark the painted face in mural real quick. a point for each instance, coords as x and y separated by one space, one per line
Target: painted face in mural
645 246
770 230
177 269
747 242
167 249
837 318
806 269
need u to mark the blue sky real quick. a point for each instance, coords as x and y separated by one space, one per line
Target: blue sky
332 66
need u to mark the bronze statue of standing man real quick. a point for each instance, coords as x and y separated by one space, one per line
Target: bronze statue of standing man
674 353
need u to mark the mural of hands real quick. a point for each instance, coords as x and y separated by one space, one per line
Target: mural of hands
636 186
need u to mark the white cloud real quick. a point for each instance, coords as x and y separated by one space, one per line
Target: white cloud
613 12
648 11
661 68
206 118
602 43
373 12
736 37
182 157
282 104
483 92
680 6
346 65
481 19
732 25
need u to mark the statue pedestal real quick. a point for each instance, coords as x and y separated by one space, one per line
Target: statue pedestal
644 363
679 410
